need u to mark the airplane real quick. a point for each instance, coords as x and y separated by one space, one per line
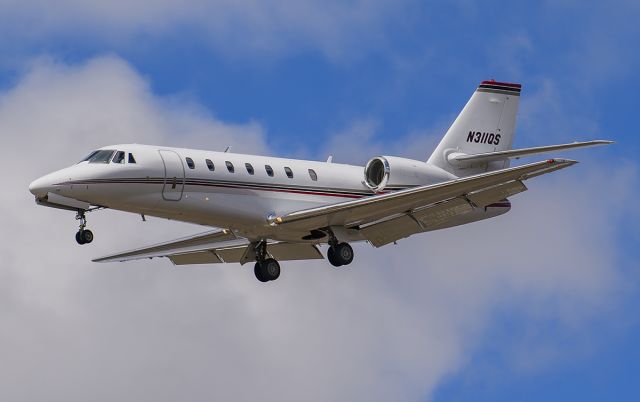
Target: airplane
264 209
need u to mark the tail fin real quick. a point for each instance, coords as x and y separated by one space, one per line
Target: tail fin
486 124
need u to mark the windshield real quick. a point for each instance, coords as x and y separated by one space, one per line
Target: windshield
102 156
86 158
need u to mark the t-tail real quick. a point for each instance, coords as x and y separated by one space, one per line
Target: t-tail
486 124
480 138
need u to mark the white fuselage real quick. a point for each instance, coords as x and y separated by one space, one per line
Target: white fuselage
159 181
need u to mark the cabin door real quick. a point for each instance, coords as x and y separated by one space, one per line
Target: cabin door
173 176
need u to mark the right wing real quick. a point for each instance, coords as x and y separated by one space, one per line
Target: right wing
486 187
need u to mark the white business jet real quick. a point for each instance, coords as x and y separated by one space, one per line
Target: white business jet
273 209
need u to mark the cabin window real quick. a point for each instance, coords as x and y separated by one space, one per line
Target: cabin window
249 168
131 158
210 165
269 170
289 172
102 156
313 175
88 156
119 158
190 163
230 167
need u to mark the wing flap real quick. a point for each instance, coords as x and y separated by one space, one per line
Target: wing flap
437 214
196 257
279 251
294 251
419 220
497 193
231 254
391 230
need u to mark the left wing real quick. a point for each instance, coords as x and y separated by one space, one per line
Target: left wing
215 247
363 211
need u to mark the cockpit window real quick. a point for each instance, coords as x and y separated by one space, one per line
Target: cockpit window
101 156
119 158
131 158
88 156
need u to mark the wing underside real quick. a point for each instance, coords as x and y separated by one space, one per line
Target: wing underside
220 246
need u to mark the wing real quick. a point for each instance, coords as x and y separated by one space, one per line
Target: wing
214 247
423 203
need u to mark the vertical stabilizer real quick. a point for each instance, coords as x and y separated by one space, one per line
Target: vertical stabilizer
486 124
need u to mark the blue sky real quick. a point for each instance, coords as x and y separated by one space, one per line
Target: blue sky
385 75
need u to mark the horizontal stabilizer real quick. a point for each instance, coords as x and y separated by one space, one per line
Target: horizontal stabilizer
461 159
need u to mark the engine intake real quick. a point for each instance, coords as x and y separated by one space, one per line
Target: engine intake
394 173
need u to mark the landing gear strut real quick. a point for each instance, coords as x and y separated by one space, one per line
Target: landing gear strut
83 236
266 269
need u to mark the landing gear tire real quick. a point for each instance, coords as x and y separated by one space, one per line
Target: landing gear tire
79 238
340 254
267 270
84 236
257 269
87 236
331 256
271 269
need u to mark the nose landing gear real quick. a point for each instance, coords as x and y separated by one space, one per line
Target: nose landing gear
83 236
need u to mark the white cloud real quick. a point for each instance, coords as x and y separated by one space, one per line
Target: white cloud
390 327
336 28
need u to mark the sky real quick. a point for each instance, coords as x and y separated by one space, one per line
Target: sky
538 304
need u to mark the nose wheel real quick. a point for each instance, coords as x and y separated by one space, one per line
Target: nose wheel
83 236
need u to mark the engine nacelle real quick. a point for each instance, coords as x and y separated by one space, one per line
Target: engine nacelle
392 173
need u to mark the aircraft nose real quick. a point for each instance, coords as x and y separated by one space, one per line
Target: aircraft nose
41 186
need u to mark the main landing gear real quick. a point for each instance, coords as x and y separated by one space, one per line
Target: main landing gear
339 254
83 236
266 269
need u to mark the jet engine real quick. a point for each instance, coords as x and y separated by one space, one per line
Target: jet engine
394 173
